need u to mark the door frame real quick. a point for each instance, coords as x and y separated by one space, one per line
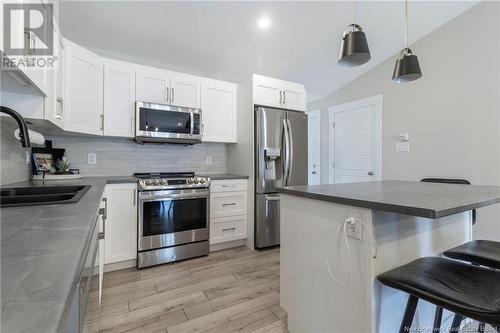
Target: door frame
375 101
316 113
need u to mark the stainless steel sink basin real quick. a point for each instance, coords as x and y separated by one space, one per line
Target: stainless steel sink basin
27 196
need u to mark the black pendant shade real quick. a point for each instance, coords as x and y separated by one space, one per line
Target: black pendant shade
407 67
354 50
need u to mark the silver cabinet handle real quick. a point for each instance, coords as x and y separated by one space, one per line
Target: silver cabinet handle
286 169
167 94
284 97
229 204
281 97
172 94
229 229
60 101
102 122
135 196
228 185
370 173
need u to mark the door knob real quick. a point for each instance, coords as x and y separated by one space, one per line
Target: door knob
370 173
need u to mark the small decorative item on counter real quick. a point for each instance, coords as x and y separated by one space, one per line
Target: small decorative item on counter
43 163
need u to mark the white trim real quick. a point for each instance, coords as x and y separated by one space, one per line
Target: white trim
317 113
373 100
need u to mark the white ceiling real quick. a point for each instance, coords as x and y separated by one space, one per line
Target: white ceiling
221 39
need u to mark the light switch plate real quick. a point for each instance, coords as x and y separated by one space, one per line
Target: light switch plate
91 158
402 146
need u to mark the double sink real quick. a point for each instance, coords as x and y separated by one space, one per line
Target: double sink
24 196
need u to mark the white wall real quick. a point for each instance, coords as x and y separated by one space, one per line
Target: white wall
451 114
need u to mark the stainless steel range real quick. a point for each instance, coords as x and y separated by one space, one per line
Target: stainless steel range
173 217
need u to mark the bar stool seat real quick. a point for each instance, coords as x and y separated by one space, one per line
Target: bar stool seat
467 290
480 252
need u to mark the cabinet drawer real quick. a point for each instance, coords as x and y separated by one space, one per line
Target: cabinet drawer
229 185
228 204
226 229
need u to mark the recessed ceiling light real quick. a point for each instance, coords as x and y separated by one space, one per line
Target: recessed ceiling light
264 23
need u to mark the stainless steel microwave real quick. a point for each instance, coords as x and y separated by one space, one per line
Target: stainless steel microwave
167 123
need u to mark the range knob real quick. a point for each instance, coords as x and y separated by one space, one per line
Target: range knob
190 181
196 180
157 182
163 182
148 182
202 180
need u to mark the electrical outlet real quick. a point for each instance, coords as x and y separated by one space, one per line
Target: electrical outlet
28 157
209 159
354 229
91 158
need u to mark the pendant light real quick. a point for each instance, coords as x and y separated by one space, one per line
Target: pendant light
354 48
407 67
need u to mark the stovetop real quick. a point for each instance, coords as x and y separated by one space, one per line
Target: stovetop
152 181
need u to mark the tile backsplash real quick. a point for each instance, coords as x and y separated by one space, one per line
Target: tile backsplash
117 157
13 167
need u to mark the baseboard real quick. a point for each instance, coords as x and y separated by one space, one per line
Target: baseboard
116 266
226 245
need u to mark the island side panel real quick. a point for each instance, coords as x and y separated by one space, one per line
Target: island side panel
402 239
310 231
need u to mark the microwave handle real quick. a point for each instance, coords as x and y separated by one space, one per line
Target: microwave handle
191 116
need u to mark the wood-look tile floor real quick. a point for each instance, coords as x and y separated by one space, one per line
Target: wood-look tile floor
234 290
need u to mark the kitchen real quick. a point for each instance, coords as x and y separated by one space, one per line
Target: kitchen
146 145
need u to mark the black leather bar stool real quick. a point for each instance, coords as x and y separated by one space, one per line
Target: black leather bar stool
467 290
478 252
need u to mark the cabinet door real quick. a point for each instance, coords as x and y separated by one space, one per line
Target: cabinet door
218 100
83 83
226 229
294 97
121 223
152 86
228 204
266 91
119 99
185 91
54 105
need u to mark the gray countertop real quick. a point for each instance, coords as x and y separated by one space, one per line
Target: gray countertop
42 247
429 200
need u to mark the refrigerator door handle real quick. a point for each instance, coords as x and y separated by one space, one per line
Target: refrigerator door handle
287 153
290 151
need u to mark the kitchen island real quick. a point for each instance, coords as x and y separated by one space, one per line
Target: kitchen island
408 220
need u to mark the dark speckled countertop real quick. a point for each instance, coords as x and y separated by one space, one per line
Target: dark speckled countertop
429 200
42 247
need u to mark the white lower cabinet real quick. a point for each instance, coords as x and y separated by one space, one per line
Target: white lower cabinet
121 223
228 210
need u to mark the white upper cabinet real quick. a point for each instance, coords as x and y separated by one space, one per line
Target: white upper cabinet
152 85
278 93
218 100
119 98
55 99
83 83
159 86
185 90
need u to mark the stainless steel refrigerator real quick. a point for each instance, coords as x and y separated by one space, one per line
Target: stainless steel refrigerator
280 160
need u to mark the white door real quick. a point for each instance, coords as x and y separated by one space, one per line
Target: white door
121 223
152 86
119 99
355 142
83 90
219 111
313 130
185 91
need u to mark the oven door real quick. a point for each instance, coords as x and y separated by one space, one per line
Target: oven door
158 122
174 217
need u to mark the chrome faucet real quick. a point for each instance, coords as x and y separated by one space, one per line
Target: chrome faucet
23 127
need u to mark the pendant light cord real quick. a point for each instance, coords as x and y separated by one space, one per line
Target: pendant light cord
354 13
406 23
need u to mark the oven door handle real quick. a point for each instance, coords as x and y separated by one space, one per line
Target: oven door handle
191 127
148 197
